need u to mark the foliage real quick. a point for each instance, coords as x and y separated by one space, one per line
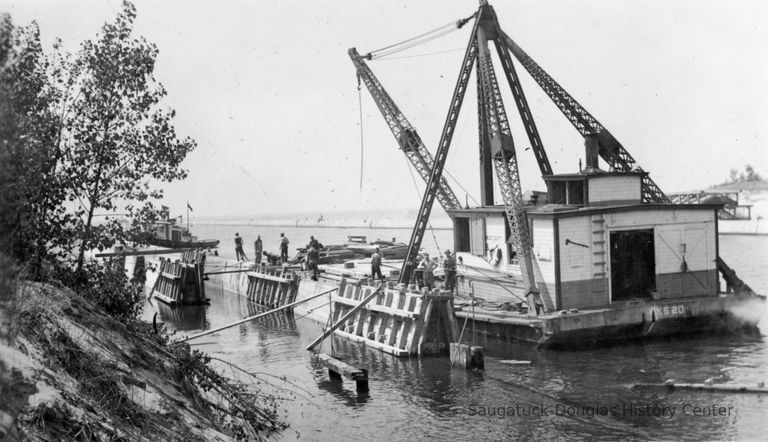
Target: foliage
107 286
748 174
119 140
210 389
33 217
81 135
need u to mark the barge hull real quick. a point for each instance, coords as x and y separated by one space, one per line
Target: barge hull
567 329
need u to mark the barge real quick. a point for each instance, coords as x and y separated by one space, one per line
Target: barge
602 256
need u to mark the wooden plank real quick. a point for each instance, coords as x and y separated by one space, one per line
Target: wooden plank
424 323
141 253
377 308
287 306
341 367
737 388
374 344
269 277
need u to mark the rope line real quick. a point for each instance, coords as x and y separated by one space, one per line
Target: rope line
418 194
409 40
427 54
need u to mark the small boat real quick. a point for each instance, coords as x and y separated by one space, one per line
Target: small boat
388 249
170 234
184 244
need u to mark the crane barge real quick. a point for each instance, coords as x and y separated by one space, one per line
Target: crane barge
603 255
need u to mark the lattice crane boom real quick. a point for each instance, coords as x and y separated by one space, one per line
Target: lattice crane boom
609 148
407 138
505 160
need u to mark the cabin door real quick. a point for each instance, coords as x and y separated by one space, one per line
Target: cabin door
633 265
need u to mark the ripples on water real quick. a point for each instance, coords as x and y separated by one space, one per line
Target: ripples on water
416 398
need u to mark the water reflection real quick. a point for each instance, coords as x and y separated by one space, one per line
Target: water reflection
182 317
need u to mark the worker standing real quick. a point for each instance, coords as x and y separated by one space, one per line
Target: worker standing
258 248
376 264
449 265
239 247
428 269
313 256
284 247
314 243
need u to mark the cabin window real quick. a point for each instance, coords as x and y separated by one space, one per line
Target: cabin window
575 194
557 192
633 266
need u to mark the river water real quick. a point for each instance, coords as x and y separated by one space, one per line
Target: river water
575 395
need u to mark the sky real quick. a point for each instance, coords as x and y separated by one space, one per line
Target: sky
267 90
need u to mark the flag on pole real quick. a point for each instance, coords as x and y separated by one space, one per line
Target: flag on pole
189 207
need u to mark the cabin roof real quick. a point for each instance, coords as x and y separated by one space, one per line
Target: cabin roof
562 211
591 174
571 210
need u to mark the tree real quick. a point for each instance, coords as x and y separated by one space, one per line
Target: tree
81 133
32 215
119 142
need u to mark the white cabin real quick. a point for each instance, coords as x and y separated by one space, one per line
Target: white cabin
595 243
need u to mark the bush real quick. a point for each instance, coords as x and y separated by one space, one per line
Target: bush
107 286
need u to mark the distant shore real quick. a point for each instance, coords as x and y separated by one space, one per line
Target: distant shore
314 226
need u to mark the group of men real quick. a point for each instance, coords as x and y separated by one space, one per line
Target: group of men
258 248
427 265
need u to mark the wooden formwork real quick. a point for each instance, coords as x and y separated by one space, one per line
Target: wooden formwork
272 286
181 281
398 321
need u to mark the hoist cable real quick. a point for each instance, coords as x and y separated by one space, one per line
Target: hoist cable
427 54
360 107
412 44
408 40
418 194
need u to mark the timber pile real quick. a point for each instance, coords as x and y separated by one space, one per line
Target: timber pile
181 281
397 320
272 286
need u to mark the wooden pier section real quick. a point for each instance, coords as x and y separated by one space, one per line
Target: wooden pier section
398 320
272 286
181 281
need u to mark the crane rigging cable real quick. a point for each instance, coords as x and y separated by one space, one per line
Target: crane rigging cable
418 194
419 39
427 54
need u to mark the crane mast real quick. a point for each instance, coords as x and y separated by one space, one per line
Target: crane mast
409 140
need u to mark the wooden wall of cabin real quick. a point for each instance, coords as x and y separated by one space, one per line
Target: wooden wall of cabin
543 233
614 188
583 282
685 247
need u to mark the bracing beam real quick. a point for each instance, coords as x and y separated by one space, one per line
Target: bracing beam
609 148
435 176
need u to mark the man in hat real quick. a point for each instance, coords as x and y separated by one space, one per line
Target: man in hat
449 265
376 264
